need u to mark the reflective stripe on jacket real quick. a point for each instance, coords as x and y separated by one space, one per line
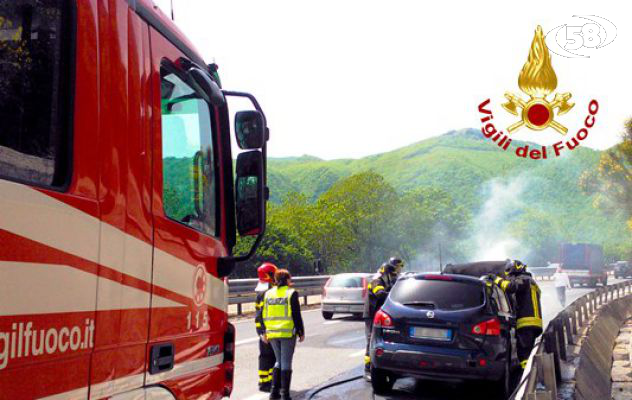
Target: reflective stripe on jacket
527 299
277 313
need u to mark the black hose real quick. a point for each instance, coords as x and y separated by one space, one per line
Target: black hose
328 386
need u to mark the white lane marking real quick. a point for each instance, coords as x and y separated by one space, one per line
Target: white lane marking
357 354
332 322
258 396
245 341
348 340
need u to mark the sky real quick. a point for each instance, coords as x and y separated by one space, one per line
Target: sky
346 79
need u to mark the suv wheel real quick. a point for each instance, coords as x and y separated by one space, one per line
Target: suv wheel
327 314
381 381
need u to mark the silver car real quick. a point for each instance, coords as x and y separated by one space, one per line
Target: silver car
345 294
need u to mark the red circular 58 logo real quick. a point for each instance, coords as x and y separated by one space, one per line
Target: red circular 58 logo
199 285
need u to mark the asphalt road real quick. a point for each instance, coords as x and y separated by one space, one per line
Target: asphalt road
333 350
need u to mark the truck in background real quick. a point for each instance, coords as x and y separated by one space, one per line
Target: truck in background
119 208
584 263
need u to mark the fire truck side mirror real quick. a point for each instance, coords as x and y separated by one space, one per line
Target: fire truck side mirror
249 193
250 129
213 94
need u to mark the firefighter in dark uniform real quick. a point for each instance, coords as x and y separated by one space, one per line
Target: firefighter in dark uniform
526 298
266 355
378 291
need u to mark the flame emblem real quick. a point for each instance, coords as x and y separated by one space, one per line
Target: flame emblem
538 80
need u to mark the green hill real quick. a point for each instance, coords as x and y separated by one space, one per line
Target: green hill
469 167
458 161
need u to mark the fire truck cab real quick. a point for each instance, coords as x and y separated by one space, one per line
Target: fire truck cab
119 208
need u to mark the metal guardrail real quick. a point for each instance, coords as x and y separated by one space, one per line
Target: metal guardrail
542 273
543 369
242 291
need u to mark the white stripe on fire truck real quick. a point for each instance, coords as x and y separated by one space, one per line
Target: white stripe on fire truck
119 385
77 394
64 289
30 213
130 382
186 368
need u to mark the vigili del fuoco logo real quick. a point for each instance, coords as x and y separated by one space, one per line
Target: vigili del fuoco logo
540 110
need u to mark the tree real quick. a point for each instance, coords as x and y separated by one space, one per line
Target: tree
612 181
282 244
426 219
540 236
360 208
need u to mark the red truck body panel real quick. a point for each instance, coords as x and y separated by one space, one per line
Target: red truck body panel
93 276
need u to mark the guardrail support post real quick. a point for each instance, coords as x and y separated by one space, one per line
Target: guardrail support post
551 346
559 332
238 308
574 320
547 375
567 327
305 299
600 296
611 290
580 314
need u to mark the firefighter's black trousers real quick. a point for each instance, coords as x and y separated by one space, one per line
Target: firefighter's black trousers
525 338
266 365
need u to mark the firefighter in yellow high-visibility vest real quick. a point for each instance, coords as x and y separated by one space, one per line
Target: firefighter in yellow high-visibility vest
526 295
283 324
266 354
378 290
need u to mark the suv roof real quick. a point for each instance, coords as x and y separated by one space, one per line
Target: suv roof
445 277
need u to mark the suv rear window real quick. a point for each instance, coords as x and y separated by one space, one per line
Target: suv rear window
438 294
346 281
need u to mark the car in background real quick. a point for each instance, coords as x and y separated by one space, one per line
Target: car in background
345 294
622 269
444 327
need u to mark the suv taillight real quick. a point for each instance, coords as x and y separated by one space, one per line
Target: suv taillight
325 287
490 328
382 320
364 287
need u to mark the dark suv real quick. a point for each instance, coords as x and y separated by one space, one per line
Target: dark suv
444 327
622 269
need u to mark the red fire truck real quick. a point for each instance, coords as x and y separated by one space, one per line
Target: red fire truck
118 206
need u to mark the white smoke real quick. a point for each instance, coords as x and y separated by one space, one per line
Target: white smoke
492 239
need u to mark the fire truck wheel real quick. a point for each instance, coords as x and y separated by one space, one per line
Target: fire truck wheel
327 314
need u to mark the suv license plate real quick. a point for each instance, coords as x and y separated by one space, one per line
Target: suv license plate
431 333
